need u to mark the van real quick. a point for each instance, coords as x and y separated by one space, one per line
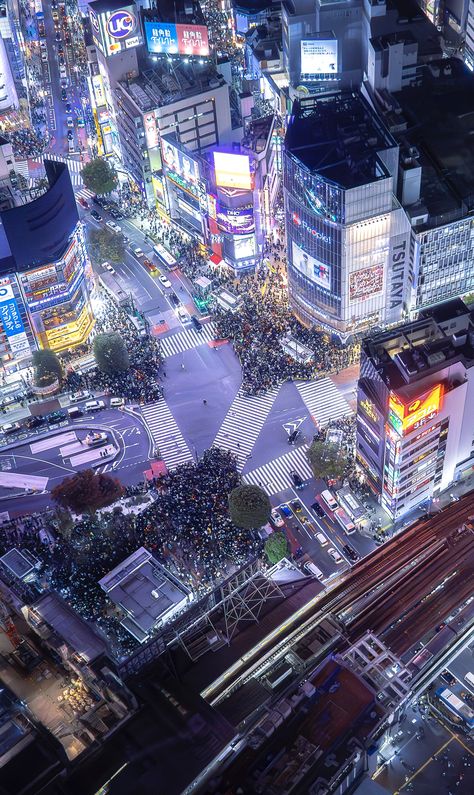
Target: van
329 500
321 539
311 568
74 412
196 323
94 405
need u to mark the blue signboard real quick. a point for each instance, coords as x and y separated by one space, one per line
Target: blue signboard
10 318
161 37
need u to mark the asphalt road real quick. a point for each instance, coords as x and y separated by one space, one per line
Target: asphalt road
124 429
52 76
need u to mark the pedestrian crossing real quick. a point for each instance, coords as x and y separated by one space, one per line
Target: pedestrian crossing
243 423
323 400
166 434
186 339
21 167
275 476
75 166
85 193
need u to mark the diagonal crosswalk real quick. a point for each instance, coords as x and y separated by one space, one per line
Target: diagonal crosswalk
166 434
275 476
323 400
243 423
187 339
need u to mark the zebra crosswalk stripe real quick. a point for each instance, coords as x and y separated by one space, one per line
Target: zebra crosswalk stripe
21 167
275 476
75 166
323 400
166 434
85 193
243 423
187 339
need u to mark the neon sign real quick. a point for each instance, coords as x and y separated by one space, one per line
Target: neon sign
405 418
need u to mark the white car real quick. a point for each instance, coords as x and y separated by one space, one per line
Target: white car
113 226
10 427
77 396
69 122
138 252
321 539
276 518
164 281
117 401
183 316
335 555
108 267
96 439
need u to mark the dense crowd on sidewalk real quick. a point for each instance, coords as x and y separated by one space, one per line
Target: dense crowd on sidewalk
140 381
257 330
187 528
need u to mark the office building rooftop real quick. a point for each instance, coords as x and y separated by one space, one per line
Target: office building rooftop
338 136
162 85
440 337
435 118
145 591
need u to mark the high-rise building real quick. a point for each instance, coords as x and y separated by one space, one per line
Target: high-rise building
347 239
45 273
415 407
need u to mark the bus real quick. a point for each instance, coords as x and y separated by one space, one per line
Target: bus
164 256
345 521
456 706
470 678
329 499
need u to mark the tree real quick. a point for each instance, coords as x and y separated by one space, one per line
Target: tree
276 546
87 491
249 506
105 245
99 176
327 460
110 353
47 366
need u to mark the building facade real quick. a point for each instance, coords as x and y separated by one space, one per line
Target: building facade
45 274
414 408
343 229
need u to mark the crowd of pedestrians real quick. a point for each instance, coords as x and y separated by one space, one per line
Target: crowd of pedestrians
259 328
140 382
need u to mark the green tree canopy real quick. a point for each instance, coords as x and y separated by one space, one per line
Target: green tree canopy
105 245
249 506
47 366
99 176
326 460
276 546
110 353
87 491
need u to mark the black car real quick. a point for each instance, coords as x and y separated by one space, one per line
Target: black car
68 107
298 481
70 135
318 510
196 323
115 213
56 416
96 215
63 94
174 299
351 553
34 422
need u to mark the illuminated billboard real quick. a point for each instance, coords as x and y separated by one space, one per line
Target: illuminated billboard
180 163
11 322
151 130
116 29
366 283
408 417
318 56
166 38
238 221
232 171
310 267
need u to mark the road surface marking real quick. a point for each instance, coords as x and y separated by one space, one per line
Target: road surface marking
54 441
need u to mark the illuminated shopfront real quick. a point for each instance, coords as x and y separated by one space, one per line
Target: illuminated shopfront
57 298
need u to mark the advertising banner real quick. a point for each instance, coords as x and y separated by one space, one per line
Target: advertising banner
12 324
151 130
310 267
166 38
405 418
238 221
116 31
232 171
318 56
366 283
